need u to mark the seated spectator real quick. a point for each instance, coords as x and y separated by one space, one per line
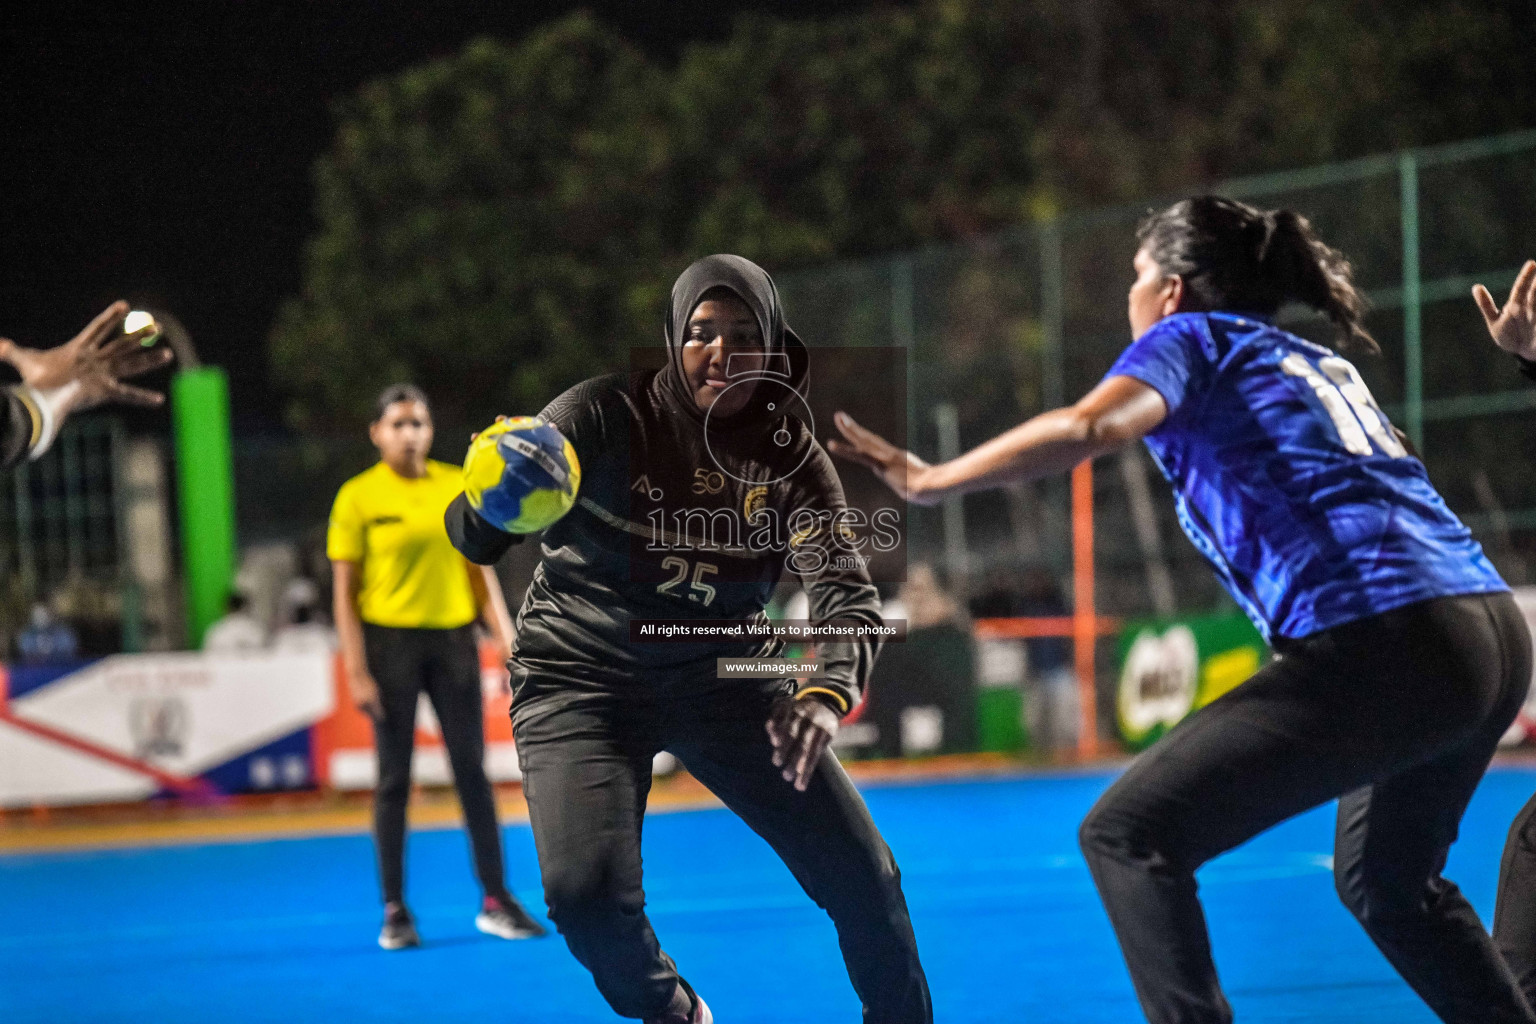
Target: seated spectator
47 640
1053 709
999 597
304 629
925 602
922 692
237 630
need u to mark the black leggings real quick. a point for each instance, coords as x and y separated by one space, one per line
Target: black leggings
445 665
1398 715
586 756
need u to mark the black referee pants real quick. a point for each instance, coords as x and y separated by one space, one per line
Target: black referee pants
445 665
586 755
1398 715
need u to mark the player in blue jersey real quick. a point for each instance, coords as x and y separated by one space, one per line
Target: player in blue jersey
1514 914
1402 655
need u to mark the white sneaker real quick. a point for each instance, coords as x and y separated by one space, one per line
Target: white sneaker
505 918
399 931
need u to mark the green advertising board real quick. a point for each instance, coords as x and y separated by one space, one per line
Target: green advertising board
1170 667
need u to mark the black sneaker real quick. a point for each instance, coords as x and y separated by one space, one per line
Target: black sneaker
505 918
399 931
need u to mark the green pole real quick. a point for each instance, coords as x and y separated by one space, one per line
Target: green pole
205 492
1413 341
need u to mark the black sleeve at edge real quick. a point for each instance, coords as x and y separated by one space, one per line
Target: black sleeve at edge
16 429
476 539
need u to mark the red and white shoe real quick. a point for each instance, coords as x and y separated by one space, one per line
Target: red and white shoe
505 918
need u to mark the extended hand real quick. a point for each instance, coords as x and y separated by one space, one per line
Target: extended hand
365 694
1514 327
95 361
800 731
503 674
477 433
898 469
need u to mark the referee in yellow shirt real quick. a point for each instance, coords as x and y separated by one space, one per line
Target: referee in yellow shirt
405 605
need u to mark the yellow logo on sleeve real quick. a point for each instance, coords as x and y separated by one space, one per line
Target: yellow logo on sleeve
757 500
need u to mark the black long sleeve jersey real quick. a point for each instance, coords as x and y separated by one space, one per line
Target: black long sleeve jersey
676 520
20 423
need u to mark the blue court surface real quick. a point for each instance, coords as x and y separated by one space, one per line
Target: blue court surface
1008 923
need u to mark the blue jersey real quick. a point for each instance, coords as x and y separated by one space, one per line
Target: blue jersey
1290 480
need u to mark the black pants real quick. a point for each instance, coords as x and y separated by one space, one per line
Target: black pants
445 665
1398 715
586 755
1514 915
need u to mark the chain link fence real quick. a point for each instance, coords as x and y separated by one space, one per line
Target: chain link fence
1001 328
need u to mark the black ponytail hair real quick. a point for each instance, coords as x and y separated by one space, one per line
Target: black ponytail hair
399 393
1233 256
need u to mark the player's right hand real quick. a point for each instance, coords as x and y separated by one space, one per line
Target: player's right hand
92 365
1513 327
799 731
365 694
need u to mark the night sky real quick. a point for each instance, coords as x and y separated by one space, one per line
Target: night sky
161 152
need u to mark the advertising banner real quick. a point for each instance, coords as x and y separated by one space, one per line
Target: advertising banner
130 726
1170 667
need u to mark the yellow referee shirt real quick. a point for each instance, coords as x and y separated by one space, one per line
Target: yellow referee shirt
412 578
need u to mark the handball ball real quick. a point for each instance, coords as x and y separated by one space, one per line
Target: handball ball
521 474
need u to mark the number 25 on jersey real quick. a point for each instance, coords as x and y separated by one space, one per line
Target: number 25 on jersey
1348 402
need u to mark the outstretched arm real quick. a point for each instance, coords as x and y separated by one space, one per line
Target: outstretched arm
86 371
1120 410
1514 327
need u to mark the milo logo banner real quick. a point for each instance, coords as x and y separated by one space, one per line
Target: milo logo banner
1168 668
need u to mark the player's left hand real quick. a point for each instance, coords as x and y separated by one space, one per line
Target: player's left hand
1514 327
503 674
897 468
800 731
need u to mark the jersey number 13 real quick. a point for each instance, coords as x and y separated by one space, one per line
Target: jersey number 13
1348 403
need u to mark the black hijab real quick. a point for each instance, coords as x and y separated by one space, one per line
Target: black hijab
752 285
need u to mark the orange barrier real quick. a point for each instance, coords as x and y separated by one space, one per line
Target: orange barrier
1084 619
342 742
1033 627
1084 625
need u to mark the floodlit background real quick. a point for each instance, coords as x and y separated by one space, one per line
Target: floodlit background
318 200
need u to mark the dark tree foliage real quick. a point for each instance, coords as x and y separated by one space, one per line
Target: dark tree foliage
502 223
488 228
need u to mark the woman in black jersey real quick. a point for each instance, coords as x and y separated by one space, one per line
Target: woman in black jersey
699 487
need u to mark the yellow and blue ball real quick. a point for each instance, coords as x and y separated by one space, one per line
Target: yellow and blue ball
521 474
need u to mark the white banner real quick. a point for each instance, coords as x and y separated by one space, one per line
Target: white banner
103 732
